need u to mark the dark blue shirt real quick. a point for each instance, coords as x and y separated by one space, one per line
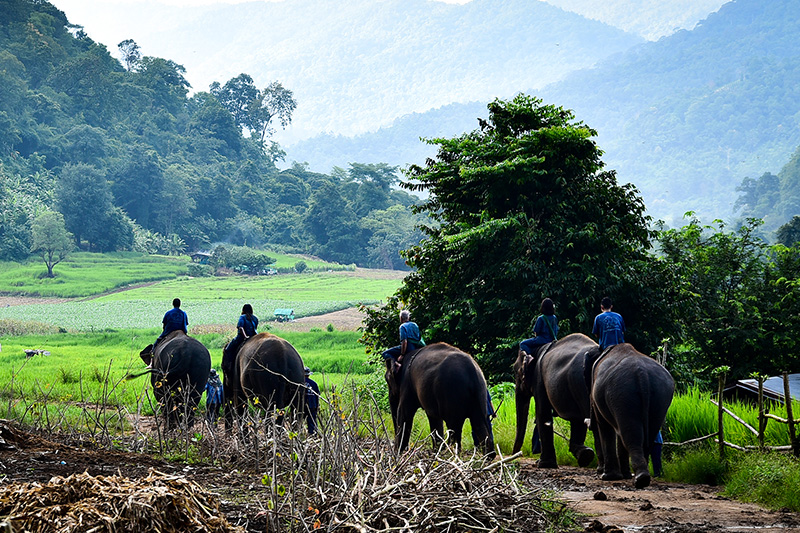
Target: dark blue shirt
249 325
312 393
409 331
214 391
175 319
609 327
543 332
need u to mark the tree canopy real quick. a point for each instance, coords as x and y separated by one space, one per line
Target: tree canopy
524 210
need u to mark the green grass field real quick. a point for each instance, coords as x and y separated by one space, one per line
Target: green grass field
85 274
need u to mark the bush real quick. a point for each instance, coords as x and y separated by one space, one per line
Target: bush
769 479
197 270
300 267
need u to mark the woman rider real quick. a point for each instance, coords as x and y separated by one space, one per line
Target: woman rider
245 328
545 329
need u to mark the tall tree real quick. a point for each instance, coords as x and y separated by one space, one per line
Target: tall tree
51 240
274 104
525 211
131 54
237 96
83 196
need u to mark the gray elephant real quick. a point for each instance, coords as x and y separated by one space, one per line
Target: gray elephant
555 378
449 386
631 394
180 366
267 368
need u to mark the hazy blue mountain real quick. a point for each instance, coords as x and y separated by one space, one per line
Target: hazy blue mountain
355 65
685 118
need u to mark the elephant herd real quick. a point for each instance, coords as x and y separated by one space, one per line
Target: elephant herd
267 370
620 394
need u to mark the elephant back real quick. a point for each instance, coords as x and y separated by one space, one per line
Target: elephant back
179 356
266 365
442 367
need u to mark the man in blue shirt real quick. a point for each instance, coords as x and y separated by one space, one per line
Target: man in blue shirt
174 319
312 402
410 340
608 325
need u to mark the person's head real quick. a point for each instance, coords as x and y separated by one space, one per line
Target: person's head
307 371
405 315
176 302
247 309
213 372
605 304
548 307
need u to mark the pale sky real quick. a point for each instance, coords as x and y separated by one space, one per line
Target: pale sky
64 5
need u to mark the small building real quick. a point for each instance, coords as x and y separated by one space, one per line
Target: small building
747 389
201 257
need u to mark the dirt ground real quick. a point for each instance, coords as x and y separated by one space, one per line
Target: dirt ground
608 507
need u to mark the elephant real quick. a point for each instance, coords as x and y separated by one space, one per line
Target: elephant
449 386
555 378
180 366
267 369
630 396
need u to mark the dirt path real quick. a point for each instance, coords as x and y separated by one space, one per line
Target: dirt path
661 507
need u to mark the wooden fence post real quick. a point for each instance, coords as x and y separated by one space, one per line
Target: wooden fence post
787 398
720 412
762 420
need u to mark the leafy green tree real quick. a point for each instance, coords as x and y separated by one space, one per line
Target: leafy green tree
83 196
237 96
524 210
725 298
138 184
275 104
333 225
789 233
300 267
391 230
131 54
51 240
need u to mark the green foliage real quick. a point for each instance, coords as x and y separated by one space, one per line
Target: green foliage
300 267
51 240
697 466
133 163
736 304
769 479
525 211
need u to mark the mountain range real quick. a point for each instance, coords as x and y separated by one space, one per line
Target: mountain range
684 110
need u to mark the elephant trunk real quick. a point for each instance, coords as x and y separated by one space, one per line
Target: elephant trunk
523 401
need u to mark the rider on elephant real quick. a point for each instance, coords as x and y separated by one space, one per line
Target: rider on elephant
410 340
245 328
545 330
174 320
608 325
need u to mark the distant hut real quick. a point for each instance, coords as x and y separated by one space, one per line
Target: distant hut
201 257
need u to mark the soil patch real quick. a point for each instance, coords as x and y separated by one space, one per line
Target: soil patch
662 507
344 320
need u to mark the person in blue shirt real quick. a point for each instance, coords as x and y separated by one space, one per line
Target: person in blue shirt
174 320
246 327
608 325
545 329
214 396
655 455
312 402
410 340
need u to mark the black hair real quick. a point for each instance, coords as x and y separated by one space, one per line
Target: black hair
176 302
548 307
247 309
605 303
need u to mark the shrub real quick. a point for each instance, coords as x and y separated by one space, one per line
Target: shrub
300 267
199 271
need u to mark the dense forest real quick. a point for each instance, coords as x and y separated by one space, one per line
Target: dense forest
131 161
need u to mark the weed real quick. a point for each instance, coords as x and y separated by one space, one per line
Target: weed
700 465
769 479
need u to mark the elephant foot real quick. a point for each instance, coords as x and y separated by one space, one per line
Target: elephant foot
546 464
611 476
642 480
585 457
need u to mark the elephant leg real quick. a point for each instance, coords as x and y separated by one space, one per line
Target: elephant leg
454 430
482 435
624 459
611 469
405 420
632 451
544 423
577 438
437 430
